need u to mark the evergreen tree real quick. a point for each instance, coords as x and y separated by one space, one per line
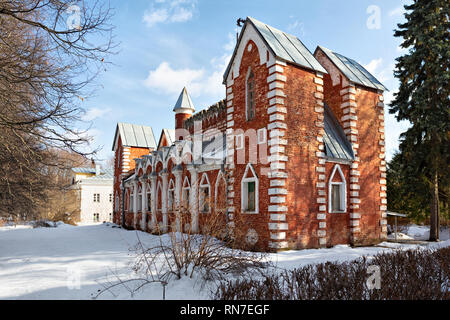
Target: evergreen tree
423 97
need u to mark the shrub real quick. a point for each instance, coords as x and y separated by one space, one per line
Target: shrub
406 275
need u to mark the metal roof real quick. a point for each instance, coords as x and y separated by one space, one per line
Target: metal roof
84 170
336 143
184 101
134 135
170 136
353 70
283 45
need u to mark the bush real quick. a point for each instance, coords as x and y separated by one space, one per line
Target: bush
405 275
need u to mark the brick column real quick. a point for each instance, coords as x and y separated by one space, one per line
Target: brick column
143 181
135 201
277 143
153 222
382 156
193 201
177 173
320 167
350 121
164 210
230 166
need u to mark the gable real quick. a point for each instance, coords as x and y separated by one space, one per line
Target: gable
281 45
336 143
352 70
133 135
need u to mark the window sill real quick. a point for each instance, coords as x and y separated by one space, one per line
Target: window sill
338 212
250 212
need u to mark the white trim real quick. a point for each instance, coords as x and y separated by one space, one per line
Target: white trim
171 199
262 135
343 189
186 186
244 181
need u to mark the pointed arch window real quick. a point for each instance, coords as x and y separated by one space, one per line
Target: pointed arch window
139 199
131 204
337 191
250 191
220 193
171 196
204 194
250 95
159 198
186 193
149 198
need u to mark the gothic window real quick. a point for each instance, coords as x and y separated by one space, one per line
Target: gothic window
249 191
186 193
171 196
337 191
204 194
149 198
139 199
250 89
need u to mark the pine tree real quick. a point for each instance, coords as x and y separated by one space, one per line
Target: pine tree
423 96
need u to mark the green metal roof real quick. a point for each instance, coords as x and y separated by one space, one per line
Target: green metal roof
354 71
336 143
283 45
134 135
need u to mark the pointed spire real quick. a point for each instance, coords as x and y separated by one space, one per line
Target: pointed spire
184 102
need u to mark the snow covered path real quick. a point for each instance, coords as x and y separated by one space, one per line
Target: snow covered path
46 263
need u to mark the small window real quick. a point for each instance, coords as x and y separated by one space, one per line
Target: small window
110 216
96 197
337 196
96 217
249 191
185 195
110 197
131 205
250 96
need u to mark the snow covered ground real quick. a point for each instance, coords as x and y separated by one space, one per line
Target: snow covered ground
69 262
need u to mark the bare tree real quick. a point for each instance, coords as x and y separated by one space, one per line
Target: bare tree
50 54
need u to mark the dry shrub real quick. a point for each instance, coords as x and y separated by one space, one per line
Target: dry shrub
406 275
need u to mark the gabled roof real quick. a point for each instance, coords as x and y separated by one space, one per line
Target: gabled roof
336 143
283 45
184 102
170 136
134 135
353 70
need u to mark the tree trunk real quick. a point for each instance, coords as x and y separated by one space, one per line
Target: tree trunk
434 214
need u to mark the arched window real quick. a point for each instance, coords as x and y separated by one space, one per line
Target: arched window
131 204
139 199
185 194
250 95
337 192
250 191
220 193
204 194
159 198
171 196
149 198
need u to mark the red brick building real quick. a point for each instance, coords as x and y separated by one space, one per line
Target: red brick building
296 149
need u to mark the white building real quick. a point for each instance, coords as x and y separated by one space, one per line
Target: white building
95 193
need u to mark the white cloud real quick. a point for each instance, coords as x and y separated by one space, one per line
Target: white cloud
95 113
377 69
396 12
166 11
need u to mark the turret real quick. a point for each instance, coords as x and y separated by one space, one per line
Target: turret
184 108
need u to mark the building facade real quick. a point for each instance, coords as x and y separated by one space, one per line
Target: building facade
94 187
295 150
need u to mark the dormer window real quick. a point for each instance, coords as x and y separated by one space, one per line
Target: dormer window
250 101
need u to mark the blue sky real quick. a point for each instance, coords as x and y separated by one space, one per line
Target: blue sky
168 44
